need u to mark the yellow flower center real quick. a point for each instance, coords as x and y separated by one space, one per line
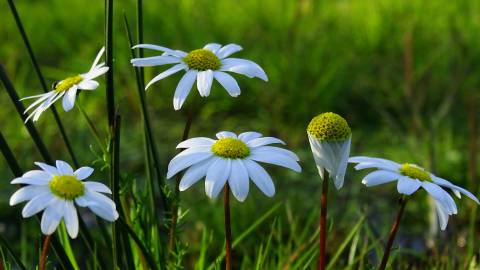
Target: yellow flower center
67 187
415 172
202 60
67 83
329 127
230 148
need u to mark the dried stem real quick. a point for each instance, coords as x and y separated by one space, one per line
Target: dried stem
323 220
228 229
43 257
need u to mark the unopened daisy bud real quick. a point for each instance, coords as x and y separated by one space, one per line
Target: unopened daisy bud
330 138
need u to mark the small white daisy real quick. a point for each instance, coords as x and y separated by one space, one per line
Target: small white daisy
410 178
67 89
55 189
202 65
330 138
231 159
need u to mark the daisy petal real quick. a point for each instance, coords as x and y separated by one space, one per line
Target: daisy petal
37 204
69 98
199 141
183 89
83 173
165 74
49 169
155 61
27 193
442 215
97 187
380 177
195 173
264 141
204 82
97 58
442 182
180 163
276 151
227 82
244 67
226 134
104 211
162 49
276 159
217 175
51 217
249 135
71 219
228 50
407 186
63 168
260 177
214 47
88 85
238 180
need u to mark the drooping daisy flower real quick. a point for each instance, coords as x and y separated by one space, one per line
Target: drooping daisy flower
202 65
55 190
330 138
410 178
231 159
67 88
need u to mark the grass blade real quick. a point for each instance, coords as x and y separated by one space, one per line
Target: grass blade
109 61
345 242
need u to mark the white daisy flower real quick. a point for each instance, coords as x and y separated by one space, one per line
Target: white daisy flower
231 159
55 189
330 138
202 65
67 89
410 178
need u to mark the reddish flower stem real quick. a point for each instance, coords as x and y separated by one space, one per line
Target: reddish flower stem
323 220
228 230
43 257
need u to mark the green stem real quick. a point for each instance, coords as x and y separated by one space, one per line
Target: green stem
109 61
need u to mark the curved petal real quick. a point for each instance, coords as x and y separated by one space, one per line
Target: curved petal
273 150
88 85
177 53
64 168
97 187
380 177
441 196
37 204
226 134
94 73
264 141
228 50
199 141
30 181
276 159
238 180
69 98
444 183
165 74
204 82
249 135
183 89
27 193
217 176
227 82
195 173
213 47
97 58
407 186
51 217
244 67
442 214
71 219
83 173
260 177
155 61
379 163
104 211
49 169
181 162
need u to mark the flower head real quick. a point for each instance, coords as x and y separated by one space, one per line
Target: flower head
67 88
202 65
410 178
231 159
55 190
330 138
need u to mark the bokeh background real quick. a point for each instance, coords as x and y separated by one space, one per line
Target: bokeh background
405 74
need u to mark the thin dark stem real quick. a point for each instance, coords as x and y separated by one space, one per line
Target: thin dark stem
115 184
323 220
176 200
109 61
42 79
9 157
393 232
228 228
43 257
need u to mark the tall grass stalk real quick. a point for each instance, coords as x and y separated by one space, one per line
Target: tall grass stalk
16 17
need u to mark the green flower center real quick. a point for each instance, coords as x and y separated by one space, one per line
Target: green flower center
67 83
202 60
230 148
415 172
67 187
329 127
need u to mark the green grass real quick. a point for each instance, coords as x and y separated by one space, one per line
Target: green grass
403 73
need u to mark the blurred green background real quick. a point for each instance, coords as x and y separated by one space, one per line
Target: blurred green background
403 73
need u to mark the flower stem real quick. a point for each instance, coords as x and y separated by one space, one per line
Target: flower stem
393 232
228 229
173 226
323 220
43 257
